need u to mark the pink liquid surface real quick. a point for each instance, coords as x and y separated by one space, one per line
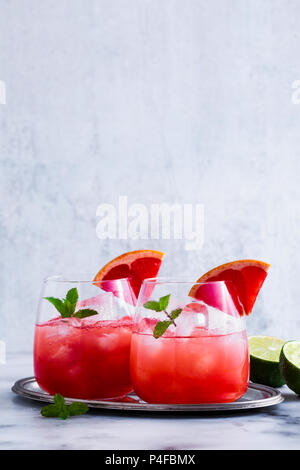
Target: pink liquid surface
205 367
83 358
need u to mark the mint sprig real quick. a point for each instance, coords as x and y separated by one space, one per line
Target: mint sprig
66 307
85 312
59 409
160 306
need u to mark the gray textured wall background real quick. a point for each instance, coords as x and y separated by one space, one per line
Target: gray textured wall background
162 101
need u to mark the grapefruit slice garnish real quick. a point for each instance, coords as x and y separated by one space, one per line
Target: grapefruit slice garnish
135 265
247 277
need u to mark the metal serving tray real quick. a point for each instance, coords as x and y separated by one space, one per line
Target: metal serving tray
257 396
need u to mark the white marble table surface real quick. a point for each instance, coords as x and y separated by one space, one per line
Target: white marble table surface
22 426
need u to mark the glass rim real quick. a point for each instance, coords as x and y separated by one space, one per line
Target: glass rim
181 280
60 278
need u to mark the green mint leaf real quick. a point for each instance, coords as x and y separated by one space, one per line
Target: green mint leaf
50 411
158 306
161 327
58 304
152 305
77 408
175 313
64 413
59 401
85 312
60 410
72 296
69 308
70 301
161 305
164 302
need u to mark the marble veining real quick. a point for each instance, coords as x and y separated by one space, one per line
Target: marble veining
22 426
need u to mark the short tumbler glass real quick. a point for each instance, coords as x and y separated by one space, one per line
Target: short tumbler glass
202 357
88 357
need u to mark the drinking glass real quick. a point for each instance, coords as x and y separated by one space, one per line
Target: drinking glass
188 347
84 357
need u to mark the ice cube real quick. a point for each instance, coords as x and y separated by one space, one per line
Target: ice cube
193 315
185 323
103 304
222 321
62 328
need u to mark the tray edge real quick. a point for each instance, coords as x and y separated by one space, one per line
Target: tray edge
275 398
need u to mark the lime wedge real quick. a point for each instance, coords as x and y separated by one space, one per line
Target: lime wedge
264 360
290 365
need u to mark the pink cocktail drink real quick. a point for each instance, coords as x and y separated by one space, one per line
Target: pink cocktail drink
83 358
82 338
207 366
186 350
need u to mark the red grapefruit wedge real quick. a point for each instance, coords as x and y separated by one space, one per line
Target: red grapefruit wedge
247 278
136 265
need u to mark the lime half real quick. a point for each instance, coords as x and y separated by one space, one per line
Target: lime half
264 360
290 365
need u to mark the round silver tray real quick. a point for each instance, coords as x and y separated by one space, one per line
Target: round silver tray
257 396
